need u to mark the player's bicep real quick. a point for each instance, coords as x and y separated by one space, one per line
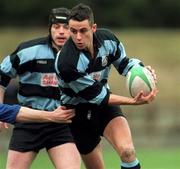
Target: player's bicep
123 64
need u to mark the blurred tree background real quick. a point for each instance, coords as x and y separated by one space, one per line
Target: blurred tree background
114 13
149 29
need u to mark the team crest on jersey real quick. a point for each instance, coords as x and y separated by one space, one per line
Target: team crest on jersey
49 79
104 61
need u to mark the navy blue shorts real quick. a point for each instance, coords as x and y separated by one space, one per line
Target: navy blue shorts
88 126
35 136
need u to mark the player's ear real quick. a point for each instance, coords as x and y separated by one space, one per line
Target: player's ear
94 27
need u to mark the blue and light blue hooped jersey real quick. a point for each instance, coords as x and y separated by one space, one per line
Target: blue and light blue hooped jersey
83 78
33 63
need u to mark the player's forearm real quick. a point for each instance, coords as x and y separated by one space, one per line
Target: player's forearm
30 115
120 100
137 100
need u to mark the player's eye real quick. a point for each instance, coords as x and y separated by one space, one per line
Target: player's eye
84 30
74 31
55 26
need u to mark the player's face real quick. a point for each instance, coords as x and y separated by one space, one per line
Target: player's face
82 33
59 34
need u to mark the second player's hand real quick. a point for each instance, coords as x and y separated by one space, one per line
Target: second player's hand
62 115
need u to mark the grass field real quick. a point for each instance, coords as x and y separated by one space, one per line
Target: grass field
150 159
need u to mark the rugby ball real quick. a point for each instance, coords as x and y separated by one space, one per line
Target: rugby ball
139 79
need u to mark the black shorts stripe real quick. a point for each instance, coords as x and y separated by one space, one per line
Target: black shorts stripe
89 123
35 136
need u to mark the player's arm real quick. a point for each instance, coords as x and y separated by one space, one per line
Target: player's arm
59 115
122 63
8 113
118 55
138 100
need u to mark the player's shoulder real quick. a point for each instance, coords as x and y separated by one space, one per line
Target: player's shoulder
67 59
69 52
105 34
33 42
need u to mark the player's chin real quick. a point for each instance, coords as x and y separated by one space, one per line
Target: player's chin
60 44
80 46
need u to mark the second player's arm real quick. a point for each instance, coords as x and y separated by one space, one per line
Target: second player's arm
60 115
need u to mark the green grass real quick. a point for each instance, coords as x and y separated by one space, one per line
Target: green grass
150 159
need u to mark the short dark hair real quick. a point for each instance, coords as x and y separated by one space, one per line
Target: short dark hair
59 15
82 12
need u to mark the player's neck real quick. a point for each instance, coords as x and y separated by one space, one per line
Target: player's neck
91 50
58 48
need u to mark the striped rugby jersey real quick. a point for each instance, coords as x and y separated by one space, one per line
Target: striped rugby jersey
33 63
83 79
